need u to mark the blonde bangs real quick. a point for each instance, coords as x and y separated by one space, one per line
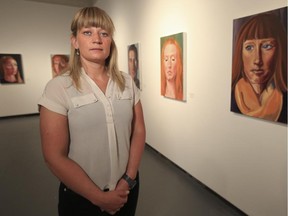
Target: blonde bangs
92 17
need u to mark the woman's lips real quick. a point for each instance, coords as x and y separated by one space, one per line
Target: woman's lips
258 71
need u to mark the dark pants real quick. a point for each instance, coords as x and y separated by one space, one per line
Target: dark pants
72 204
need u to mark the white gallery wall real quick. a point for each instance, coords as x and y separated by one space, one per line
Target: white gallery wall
34 30
243 159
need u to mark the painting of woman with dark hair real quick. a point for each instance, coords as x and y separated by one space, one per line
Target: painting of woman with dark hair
133 63
259 70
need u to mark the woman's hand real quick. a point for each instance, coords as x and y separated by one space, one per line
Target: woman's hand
113 201
122 185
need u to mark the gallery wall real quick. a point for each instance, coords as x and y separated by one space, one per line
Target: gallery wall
34 30
243 159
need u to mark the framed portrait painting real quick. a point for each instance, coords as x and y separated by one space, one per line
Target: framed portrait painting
259 66
11 70
172 66
134 63
59 63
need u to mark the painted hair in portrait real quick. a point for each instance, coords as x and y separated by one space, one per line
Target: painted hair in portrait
59 64
11 70
134 64
172 66
259 66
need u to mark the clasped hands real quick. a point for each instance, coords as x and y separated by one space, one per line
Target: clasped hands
114 200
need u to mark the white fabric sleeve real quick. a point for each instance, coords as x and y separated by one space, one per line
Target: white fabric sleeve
54 97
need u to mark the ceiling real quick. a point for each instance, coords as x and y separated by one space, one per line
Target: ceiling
75 3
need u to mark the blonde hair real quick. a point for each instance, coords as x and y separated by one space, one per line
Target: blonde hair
94 17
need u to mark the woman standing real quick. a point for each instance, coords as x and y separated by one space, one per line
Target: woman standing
92 125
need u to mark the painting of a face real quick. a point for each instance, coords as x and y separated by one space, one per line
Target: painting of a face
59 63
258 59
11 71
170 62
172 74
10 67
132 63
259 66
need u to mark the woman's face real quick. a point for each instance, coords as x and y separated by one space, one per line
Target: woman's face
93 43
258 59
10 67
170 62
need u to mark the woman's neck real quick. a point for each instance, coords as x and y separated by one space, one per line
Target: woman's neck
94 70
98 73
170 89
10 78
258 88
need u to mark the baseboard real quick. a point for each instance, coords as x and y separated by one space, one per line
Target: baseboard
19 116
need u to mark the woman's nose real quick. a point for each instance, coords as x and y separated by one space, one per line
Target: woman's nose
258 57
169 63
96 38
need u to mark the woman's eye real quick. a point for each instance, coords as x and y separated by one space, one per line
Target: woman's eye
87 33
104 34
267 46
249 47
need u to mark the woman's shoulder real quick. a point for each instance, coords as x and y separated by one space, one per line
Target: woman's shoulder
128 79
63 80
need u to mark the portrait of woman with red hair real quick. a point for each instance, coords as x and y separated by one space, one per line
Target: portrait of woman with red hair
259 68
172 69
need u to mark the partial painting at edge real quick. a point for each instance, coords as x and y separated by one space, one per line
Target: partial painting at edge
259 66
11 70
172 67
59 63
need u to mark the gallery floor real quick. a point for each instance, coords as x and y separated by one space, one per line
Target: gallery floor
28 188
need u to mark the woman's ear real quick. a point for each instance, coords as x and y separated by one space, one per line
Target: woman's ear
74 42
